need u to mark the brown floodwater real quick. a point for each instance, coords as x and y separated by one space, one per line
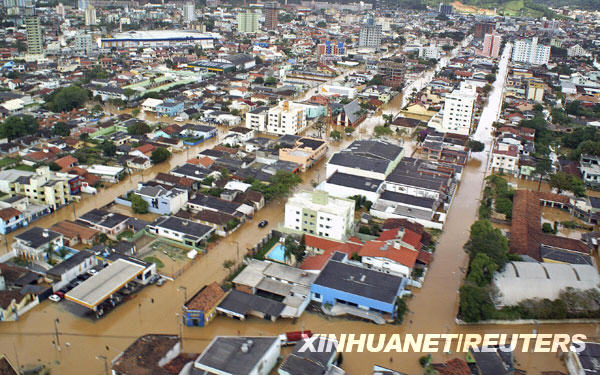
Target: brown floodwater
432 309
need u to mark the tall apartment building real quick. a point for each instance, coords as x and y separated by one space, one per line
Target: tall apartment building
82 4
370 34
319 214
530 52
392 72
189 12
331 50
286 118
491 45
446 9
482 28
84 44
458 110
60 10
271 13
248 22
90 15
35 41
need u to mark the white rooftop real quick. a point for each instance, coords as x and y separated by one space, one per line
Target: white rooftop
523 280
102 285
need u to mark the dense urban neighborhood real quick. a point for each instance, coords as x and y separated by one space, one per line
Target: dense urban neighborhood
205 187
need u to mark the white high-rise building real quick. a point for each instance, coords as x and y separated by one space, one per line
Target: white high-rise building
84 44
35 39
319 214
370 34
189 12
60 10
530 52
286 118
90 15
458 110
248 21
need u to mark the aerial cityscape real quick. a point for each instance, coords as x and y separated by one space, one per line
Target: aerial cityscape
399 187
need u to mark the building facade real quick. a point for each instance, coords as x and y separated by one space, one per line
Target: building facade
530 52
248 22
491 45
458 110
271 13
370 34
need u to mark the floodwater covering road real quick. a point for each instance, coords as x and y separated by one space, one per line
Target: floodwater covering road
432 309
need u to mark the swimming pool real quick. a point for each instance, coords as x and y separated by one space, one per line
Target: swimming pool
277 253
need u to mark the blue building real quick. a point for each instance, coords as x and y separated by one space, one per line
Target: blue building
357 287
11 219
169 108
201 308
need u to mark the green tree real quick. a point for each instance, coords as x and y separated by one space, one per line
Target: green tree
504 206
228 264
563 181
335 135
482 270
61 128
138 205
129 93
259 80
159 155
54 167
18 126
271 81
475 303
135 112
139 128
486 239
349 130
109 149
476 146
67 98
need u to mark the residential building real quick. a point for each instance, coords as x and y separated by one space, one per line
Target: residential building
34 243
189 12
90 15
184 231
392 72
345 185
530 52
82 4
584 359
505 158
228 355
446 9
247 22
54 189
305 152
11 219
67 270
74 234
491 45
35 39
160 200
157 351
271 12
318 362
372 158
458 110
576 51
482 28
84 44
257 119
109 223
319 214
370 34
286 118
201 308
331 50
356 290
535 90
589 165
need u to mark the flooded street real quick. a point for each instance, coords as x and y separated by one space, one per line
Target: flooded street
154 310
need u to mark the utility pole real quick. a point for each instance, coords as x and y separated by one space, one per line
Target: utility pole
56 321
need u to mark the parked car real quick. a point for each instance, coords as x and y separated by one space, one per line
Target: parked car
54 298
92 272
263 223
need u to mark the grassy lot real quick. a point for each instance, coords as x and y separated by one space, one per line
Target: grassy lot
24 167
7 161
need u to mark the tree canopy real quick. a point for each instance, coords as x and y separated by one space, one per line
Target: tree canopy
159 155
67 98
18 126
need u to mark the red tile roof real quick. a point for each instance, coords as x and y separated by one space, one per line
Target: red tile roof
381 249
66 161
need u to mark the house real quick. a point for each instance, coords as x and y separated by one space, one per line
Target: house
66 162
589 165
74 233
34 243
160 200
227 355
505 158
169 107
199 131
207 202
356 290
367 158
151 105
318 362
106 173
584 359
201 308
493 360
6 367
351 115
319 214
11 219
223 223
305 152
343 185
139 163
109 223
183 231
67 270
157 351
